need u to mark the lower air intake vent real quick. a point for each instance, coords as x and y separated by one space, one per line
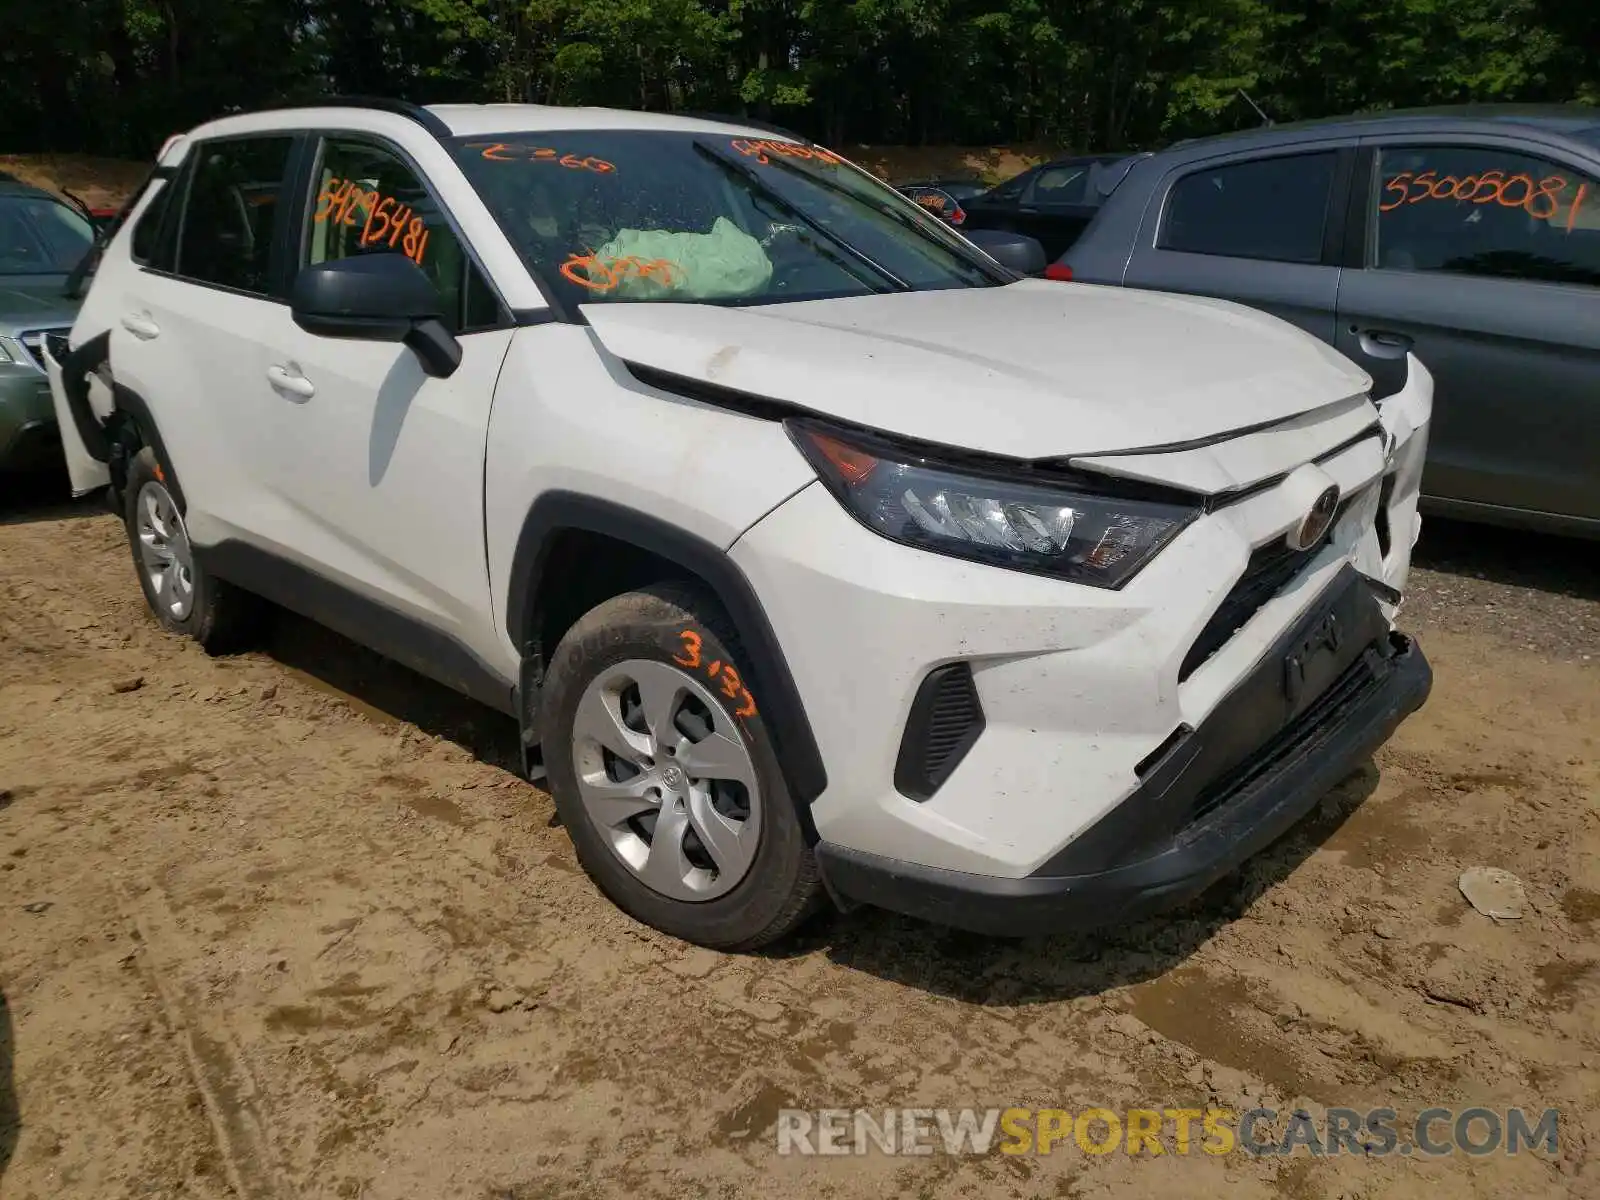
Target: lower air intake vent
946 720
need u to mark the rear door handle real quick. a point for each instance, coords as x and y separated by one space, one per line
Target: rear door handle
141 326
1383 343
290 382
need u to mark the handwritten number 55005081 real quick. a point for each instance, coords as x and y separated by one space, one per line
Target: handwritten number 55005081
724 674
1539 200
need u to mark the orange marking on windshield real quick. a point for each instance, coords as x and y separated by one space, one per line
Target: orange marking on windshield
518 152
761 149
605 275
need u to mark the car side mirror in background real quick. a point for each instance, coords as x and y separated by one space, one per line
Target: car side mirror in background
1021 253
377 297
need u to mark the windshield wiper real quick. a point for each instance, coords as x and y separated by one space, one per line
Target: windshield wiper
884 208
752 179
951 241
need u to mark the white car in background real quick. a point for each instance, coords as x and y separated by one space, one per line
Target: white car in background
817 554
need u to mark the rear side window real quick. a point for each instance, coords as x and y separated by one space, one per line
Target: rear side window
370 201
1272 208
147 230
1481 210
231 211
1060 185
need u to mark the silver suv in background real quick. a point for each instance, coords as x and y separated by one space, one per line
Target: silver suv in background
1467 236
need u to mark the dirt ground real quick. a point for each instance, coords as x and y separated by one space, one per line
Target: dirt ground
98 182
285 925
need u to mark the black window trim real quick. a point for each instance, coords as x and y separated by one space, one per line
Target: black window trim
172 224
313 155
169 196
1340 148
1362 252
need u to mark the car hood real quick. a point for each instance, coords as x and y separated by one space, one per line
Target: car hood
1032 370
34 304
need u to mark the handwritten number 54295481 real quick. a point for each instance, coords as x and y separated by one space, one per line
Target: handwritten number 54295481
723 674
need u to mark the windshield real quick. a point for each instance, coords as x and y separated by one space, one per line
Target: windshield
41 236
630 215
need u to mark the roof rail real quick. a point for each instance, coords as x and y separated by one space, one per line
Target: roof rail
432 122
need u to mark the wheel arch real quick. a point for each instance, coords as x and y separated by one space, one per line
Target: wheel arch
562 527
130 426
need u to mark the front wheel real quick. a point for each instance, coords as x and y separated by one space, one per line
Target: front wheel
664 775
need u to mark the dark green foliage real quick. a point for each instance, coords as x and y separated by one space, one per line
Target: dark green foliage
117 76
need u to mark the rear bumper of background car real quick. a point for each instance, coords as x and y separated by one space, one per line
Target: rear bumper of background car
1210 798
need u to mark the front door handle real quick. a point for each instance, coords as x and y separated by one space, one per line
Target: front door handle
288 381
1383 343
141 326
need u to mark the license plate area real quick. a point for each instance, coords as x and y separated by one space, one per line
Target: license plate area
1299 669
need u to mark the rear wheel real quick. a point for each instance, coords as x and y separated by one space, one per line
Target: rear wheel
181 594
664 775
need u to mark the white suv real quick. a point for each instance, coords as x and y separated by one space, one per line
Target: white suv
817 553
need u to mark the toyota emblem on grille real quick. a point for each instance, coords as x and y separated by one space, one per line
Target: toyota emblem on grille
1310 530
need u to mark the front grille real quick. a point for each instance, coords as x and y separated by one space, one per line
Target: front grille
1271 568
1296 740
946 720
33 341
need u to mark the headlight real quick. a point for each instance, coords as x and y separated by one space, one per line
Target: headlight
1045 528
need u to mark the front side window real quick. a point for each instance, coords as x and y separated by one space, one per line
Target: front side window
231 212
368 200
1273 208
1480 210
40 236
631 215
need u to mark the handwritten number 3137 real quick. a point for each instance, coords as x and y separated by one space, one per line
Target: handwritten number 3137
723 673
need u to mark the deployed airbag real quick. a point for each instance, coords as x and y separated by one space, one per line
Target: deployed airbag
654 264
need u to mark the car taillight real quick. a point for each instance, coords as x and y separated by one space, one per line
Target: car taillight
1059 271
959 217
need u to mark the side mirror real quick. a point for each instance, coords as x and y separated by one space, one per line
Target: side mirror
1021 253
377 297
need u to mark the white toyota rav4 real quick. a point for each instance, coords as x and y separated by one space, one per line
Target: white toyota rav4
817 553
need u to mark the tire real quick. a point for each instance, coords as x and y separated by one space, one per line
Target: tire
717 857
183 597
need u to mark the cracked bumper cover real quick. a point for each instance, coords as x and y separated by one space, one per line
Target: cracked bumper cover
1318 704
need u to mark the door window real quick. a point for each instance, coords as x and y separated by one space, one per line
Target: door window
231 211
1271 208
370 201
1056 186
1480 210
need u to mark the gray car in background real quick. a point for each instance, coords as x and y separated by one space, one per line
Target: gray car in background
1470 236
